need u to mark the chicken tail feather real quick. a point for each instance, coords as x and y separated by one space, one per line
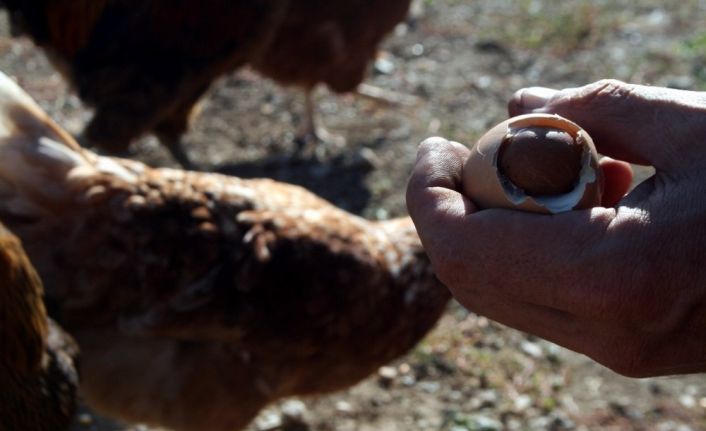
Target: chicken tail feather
40 163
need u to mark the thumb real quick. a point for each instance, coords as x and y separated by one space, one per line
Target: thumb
639 124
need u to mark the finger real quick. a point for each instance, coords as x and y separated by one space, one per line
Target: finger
617 177
432 196
435 179
639 124
440 163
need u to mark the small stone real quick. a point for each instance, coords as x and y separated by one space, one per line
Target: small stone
382 214
384 66
387 376
483 423
430 387
408 380
434 126
344 407
389 373
532 349
455 395
540 423
687 401
294 409
484 81
267 109
485 399
417 49
269 421
522 402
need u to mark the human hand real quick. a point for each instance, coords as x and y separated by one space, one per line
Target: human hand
624 283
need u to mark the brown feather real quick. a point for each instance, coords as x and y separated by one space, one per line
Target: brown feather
23 323
37 374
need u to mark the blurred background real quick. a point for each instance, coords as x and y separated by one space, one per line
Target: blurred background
457 62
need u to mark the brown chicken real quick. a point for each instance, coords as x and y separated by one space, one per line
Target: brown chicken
37 376
199 298
143 64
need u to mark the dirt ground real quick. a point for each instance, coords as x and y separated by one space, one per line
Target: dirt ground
460 61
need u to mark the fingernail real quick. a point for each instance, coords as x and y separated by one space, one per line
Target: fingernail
533 97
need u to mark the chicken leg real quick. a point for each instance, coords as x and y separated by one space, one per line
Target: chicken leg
312 137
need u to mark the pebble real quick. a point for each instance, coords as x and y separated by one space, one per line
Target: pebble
388 372
485 399
687 401
430 387
269 421
294 409
522 402
483 423
344 407
384 66
408 380
532 349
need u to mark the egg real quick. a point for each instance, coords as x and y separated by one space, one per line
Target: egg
535 162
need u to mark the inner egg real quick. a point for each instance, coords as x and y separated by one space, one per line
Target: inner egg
541 160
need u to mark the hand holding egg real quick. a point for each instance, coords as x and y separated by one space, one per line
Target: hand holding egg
622 282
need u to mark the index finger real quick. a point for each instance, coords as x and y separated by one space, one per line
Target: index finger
640 124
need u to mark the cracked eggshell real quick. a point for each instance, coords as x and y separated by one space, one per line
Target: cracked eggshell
487 187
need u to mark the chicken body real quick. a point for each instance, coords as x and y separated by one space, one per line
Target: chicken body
143 64
199 298
37 376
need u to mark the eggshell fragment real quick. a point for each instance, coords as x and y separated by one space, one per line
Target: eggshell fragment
488 187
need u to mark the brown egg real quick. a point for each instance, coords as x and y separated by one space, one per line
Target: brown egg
535 162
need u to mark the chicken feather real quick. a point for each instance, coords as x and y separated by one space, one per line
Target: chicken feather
198 298
37 376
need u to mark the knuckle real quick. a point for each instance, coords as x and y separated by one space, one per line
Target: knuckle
613 87
606 92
